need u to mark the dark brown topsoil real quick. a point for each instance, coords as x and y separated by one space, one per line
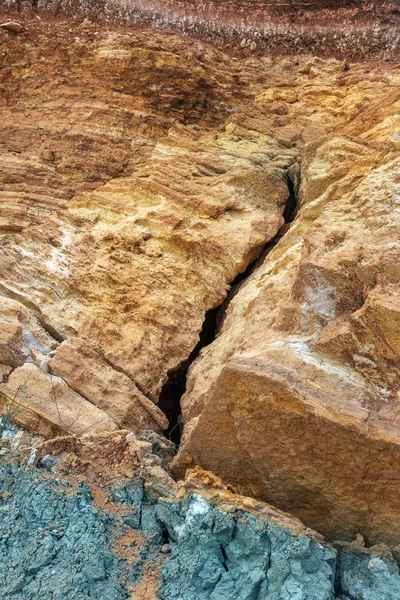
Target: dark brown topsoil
348 29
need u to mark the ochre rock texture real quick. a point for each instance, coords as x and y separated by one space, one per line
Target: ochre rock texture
46 404
129 203
140 174
297 400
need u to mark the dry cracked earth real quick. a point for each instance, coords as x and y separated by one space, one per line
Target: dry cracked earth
170 210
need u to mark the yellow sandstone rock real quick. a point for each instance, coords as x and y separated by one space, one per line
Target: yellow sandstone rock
139 176
297 400
49 407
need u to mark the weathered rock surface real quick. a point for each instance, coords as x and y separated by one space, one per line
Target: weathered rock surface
342 28
122 226
136 200
220 552
297 401
140 174
368 572
119 537
49 406
89 375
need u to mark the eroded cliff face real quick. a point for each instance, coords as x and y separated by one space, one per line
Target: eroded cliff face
141 174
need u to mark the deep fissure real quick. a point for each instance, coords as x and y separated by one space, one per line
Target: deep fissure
175 387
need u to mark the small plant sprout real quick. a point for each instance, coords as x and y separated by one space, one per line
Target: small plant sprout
10 408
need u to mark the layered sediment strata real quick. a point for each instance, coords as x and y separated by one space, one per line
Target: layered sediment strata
140 175
354 29
122 224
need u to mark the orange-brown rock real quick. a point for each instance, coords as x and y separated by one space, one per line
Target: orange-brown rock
297 400
84 370
130 203
140 174
45 404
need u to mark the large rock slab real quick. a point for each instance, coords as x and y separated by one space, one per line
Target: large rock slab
297 400
86 372
219 547
137 263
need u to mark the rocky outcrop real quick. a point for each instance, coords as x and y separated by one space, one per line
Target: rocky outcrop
118 236
130 537
101 517
367 572
297 401
141 174
113 392
220 551
47 405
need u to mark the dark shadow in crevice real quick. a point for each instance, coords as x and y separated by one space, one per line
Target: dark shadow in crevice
173 390
289 215
291 206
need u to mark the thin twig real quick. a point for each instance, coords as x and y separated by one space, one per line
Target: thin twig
53 393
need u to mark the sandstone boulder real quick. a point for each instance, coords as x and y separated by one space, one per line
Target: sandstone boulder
12 26
297 400
83 369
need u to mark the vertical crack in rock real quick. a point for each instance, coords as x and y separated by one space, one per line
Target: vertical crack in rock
290 211
174 388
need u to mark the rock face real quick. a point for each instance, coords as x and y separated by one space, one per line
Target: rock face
346 28
121 230
221 553
77 519
140 175
297 400
368 572
46 404
113 392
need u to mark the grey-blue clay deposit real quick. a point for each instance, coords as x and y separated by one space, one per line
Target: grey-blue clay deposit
55 544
